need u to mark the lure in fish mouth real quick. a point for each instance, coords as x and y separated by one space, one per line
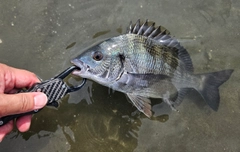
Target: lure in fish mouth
147 62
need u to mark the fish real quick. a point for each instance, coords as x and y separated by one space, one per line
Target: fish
147 62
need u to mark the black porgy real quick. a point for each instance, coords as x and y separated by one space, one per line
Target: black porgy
147 62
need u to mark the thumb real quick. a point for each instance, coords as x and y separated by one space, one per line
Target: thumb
21 103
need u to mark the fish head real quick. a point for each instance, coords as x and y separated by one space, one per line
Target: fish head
88 61
99 63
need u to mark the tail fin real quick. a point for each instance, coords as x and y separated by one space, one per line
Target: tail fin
209 88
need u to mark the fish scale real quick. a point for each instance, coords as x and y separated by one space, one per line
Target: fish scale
149 63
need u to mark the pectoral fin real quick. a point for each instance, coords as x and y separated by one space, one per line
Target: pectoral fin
143 104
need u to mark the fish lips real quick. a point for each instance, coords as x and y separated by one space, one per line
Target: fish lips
83 67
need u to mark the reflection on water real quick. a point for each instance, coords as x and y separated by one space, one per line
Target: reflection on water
98 119
110 122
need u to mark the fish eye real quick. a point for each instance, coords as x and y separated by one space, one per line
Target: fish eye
97 56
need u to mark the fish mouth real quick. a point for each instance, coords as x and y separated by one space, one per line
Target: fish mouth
81 65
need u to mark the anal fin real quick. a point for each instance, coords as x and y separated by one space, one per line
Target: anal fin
166 99
143 104
181 94
176 100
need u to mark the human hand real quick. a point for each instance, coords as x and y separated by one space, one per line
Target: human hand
12 79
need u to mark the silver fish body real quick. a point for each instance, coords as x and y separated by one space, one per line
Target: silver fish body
148 63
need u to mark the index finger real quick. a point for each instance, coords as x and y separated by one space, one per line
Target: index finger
15 78
24 78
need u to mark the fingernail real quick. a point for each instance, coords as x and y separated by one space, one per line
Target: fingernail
40 101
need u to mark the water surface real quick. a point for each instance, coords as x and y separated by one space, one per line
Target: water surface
35 35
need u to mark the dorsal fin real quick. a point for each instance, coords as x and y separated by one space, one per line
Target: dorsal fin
162 36
146 30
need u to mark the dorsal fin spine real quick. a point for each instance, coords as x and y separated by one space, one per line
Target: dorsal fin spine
149 30
143 28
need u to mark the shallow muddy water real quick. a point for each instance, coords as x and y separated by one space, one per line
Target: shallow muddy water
35 35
